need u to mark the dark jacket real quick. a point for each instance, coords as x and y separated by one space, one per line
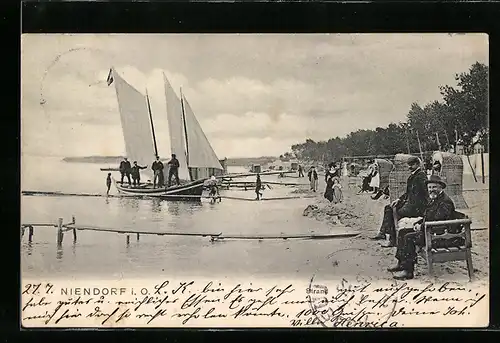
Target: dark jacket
416 195
442 208
258 184
125 167
157 165
174 163
312 174
135 171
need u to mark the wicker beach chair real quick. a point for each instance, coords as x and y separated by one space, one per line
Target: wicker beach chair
398 176
451 171
384 168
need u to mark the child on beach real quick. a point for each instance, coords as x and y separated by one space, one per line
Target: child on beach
337 190
108 183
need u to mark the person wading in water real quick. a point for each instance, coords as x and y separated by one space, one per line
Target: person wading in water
157 168
173 170
108 183
258 186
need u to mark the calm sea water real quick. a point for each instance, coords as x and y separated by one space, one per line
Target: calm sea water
107 254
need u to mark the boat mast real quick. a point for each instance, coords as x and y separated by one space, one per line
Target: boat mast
185 127
152 125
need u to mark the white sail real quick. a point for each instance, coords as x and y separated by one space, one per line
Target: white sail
176 130
200 152
136 124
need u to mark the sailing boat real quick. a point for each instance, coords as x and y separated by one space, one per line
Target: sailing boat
188 142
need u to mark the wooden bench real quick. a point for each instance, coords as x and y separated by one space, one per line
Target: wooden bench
445 241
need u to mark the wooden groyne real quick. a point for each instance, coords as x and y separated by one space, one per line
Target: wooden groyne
63 228
285 237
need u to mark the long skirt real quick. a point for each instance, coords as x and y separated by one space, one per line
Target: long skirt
329 193
375 181
314 184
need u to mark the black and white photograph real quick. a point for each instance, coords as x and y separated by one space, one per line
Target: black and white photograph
225 180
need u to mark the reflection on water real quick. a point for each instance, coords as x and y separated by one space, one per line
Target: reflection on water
110 254
156 205
28 247
59 254
129 203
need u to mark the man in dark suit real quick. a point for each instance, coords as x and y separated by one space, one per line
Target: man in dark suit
125 169
440 207
410 204
173 170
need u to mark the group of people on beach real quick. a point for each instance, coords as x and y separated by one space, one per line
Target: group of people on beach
423 201
333 187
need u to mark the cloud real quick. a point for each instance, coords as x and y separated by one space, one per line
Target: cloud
251 91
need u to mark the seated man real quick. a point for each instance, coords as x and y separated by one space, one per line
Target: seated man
440 207
410 204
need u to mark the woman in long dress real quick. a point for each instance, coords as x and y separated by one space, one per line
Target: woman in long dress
375 180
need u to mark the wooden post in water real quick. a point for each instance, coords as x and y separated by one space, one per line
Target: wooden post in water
128 239
60 234
73 221
30 233
137 236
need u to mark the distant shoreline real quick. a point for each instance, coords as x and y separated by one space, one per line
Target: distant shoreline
235 161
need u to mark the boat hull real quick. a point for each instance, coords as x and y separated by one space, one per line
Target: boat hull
191 191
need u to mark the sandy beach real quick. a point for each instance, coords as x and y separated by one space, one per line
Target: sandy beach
362 214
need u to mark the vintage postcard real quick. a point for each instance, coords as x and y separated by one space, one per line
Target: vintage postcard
254 180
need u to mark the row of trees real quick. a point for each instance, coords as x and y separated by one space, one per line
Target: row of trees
461 117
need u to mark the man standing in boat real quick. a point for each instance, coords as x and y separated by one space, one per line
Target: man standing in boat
173 170
125 168
136 174
157 168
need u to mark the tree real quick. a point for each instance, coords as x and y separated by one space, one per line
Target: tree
464 109
468 104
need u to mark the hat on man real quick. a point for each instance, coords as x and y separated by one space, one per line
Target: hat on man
435 179
413 160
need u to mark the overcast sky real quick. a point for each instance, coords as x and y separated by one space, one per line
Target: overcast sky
252 94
